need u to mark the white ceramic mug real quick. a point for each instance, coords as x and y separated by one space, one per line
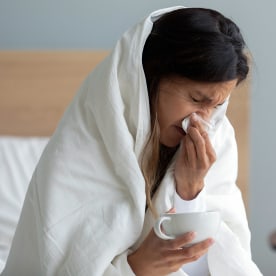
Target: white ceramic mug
171 225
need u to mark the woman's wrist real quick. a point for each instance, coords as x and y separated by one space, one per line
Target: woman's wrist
197 204
133 263
188 195
189 191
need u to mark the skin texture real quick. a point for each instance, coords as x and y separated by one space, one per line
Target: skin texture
177 99
157 257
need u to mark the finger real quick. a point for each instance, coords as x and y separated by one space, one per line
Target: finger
192 251
180 262
174 264
199 143
180 241
197 122
182 153
197 249
209 148
191 155
171 211
178 258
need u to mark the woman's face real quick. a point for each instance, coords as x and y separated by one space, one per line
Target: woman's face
179 97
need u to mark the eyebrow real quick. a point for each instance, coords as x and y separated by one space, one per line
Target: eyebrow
203 97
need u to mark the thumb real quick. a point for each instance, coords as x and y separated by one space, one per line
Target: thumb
171 211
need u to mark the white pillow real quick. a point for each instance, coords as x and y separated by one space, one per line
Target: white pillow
18 159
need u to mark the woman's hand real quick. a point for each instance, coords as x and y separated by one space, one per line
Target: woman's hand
195 157
157 257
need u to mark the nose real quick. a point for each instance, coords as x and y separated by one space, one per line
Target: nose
205 112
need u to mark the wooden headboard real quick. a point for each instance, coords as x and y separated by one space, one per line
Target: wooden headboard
36 87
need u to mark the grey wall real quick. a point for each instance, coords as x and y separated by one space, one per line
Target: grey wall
93 24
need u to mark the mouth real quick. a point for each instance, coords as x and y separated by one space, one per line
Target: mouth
180 130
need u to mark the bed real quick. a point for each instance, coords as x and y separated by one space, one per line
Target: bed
35 88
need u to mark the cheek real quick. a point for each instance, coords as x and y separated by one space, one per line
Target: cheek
166 112
172 113
172 109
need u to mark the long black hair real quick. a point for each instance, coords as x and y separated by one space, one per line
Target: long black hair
195 43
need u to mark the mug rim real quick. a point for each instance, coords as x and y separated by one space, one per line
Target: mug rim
192 213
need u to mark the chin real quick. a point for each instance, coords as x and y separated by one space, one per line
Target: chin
172 139
170 143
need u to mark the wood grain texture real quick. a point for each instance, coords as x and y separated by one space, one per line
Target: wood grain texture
238 113
36 87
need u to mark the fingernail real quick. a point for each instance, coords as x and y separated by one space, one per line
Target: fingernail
172 210
192 235
194 117
211 241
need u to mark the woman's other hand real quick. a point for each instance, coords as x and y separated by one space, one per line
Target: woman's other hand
162 257
195 157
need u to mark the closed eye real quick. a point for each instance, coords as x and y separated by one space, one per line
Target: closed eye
195 100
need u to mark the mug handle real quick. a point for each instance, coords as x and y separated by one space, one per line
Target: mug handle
158 231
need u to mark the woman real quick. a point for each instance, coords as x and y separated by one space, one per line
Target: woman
120 150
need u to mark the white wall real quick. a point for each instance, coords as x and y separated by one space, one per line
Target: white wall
93 24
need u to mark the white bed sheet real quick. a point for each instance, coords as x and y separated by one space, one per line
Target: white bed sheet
18 159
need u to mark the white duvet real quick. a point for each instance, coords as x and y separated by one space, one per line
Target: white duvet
85 206
18 159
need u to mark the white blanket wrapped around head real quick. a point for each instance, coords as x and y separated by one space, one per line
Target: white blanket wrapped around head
85 206
86 200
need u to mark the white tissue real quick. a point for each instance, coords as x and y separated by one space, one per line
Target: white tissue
214 122
208 126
